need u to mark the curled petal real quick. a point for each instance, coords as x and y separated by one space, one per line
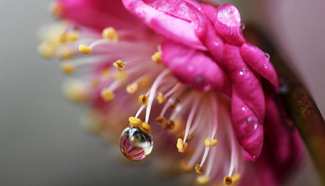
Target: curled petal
260 63
96 14
248 129
193 67
170 18
284 145
244 81
227 22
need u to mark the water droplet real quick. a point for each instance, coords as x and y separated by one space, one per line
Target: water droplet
135 144
253 122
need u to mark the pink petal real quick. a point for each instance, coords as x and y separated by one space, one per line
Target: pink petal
193 67
97 14
227 22
248 129
260 63
244 81
169 18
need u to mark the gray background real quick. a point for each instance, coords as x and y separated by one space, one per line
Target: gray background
41 140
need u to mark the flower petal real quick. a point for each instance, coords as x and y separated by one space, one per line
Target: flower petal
260 63
227 22
96 14
248 129
193 67
170 18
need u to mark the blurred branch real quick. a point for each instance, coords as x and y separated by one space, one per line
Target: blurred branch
299 103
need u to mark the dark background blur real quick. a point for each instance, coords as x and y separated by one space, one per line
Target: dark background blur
41 139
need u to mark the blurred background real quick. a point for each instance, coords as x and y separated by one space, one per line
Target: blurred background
41 139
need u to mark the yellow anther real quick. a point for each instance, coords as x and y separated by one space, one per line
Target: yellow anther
56 9
202 180
160 98
107 94
210 142
198 169
47 51
143 99
68 68
110 34
71 36
84 49
145 127
66 54
231 180
185 166
170 125
76 91
119 65
134 122
105 73
132 88
181 146
156 57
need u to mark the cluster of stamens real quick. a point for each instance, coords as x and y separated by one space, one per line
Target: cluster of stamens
176 101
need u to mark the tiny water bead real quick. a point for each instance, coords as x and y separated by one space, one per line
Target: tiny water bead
135 144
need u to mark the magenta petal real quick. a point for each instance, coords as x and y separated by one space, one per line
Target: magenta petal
248 129
260 63
244 81
227 22
97 14
170 18
193 67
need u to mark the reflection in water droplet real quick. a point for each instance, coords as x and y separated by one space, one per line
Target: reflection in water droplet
252 121
135 144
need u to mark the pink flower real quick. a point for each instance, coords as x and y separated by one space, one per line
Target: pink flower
192 75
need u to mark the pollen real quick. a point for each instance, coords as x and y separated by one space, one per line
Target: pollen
160 98
231 180
107 95
68 68
202 180
76 91
72 36
210 142
145 127
119 65
143 99
181 146
134 121
198 169
84 49
132 88
110 34
156 57
47 51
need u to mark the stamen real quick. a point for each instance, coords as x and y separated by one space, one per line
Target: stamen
76 91
46 50
110 34
143 99
231 180
132 88
202 180
181 145
119 65
68 68
190 119
210 142
161 98
198 169
107 94
156 57
84 49
134 121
